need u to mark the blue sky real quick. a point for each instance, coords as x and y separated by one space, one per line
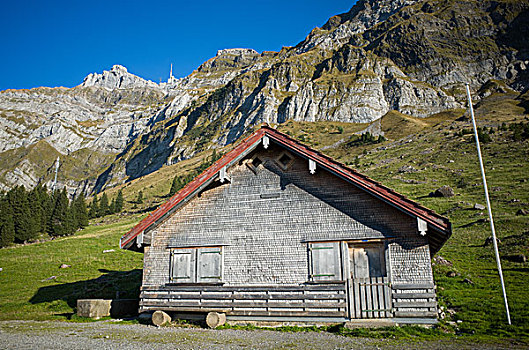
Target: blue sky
58 43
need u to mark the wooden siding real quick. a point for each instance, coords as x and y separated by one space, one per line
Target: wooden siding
265 219
305 300
410 261
414 301
263 237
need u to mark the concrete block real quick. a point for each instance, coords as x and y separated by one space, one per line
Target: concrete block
94 308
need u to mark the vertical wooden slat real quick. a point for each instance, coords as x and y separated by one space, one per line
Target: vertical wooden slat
374 295
352 299
382 297
372 292
388 298
369 297
361 290
381 304
346 273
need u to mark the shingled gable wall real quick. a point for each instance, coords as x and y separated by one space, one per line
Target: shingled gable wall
264 219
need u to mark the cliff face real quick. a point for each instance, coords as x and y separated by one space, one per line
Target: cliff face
405 55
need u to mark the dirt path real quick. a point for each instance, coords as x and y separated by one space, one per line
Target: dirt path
105 335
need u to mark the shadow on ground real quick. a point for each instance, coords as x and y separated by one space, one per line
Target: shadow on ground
110 285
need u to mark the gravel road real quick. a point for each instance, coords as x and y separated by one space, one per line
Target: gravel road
105 335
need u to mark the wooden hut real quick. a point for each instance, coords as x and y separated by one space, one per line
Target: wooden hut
276 231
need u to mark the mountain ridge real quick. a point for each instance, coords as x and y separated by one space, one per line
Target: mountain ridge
408 56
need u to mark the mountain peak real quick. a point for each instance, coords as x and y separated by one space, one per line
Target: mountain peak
364 15
119 69
237 52
116 78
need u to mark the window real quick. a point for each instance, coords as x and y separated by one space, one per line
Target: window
325 262
254 163
367 261
196 265
285 160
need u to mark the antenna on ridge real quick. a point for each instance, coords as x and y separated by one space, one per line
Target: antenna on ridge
171 80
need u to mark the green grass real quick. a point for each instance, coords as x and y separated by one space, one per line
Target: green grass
27 293
431 145
443 158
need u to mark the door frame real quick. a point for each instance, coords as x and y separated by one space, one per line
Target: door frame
383 284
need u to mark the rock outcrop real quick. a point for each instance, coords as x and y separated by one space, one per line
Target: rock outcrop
405 55
117 78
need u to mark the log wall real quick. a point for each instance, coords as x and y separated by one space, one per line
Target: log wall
279 301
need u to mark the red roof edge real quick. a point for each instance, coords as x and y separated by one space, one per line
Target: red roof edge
363 181
375 188
188 189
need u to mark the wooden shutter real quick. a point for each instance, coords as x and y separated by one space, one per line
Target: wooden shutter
209 264
360 262
183 265
367 261
325 261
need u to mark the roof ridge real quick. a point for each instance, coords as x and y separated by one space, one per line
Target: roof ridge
356 172
376 188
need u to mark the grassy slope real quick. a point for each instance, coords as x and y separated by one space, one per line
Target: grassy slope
440 157
430 145
27 294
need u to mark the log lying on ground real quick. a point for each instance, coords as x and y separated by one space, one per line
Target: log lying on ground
215 319
159 318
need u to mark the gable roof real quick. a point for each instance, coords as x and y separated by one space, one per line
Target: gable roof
441 226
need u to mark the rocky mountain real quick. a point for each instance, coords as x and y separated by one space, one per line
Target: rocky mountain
406 55
117 78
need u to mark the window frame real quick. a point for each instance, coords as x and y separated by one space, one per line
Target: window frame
380 248
288 165
196 261
320 270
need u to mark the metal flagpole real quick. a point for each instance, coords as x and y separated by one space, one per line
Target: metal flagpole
494 241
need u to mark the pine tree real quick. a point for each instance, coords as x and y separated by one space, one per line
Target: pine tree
103 205
112 206
139 200
70 222
119 202
7 223
81 214
73 209
47 206
94 208
50 210
37 207
25 228
62 216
